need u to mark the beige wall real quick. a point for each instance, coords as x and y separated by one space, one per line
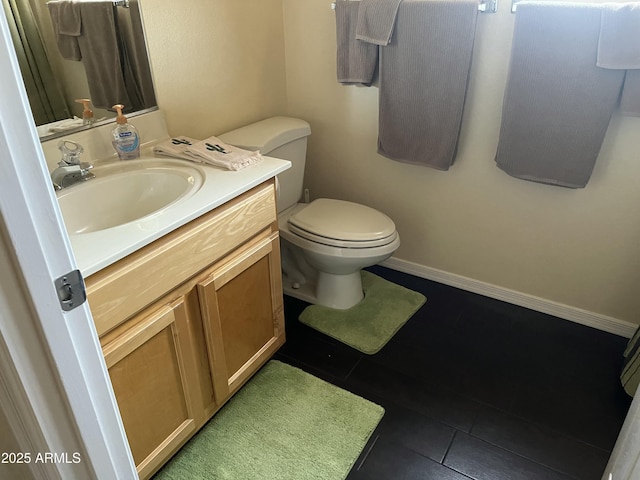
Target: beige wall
217 64
576 247
221 64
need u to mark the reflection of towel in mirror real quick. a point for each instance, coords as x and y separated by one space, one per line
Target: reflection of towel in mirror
214 151
64 125
100 47
138 73
101 55
67 25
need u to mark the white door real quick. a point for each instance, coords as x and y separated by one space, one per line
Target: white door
54 384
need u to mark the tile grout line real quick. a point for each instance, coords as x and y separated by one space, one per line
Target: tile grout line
366 455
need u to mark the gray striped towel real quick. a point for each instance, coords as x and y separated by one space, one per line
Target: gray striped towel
557 103
423 81
356 60
630 100
376 20
619 48
630 375
619 40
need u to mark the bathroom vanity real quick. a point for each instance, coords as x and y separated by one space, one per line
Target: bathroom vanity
186 320
187 301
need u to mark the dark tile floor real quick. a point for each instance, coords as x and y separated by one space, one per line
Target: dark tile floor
476 388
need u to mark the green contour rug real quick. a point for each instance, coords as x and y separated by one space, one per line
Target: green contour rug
370 324
284 424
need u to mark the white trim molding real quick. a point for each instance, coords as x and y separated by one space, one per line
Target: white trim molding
566 312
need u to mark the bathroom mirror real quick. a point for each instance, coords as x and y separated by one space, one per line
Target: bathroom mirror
93 49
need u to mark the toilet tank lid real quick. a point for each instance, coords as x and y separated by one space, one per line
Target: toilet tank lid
268 134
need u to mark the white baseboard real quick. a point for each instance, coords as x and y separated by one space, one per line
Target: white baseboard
577 315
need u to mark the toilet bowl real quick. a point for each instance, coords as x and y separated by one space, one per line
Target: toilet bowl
324 243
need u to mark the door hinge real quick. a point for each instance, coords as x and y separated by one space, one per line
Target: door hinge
70 289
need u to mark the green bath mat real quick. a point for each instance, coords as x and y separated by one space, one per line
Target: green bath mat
369 325
284 424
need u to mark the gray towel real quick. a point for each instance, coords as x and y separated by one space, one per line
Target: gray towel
557 103
376 20
67 26
114 57
101 55
619 41
630 100
619 48
630 374
356 60
131 29
423 81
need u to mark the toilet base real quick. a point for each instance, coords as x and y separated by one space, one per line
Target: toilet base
335 291
339 291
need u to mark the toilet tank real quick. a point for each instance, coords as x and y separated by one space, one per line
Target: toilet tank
279 137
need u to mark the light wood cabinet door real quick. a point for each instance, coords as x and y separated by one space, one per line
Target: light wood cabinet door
151 369
242 312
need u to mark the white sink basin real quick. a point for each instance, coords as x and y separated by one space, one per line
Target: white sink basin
127 191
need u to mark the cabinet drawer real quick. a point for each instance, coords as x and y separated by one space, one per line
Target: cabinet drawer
126 287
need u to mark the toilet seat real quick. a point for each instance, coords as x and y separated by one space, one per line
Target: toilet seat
333 242
339 223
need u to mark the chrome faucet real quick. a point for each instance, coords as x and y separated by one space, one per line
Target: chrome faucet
70 169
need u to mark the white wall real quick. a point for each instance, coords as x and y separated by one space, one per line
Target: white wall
580 248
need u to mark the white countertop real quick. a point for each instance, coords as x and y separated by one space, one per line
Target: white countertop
96 250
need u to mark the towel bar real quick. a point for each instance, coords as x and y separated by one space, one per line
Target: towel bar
484 6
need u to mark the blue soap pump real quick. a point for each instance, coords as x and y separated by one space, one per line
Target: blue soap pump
126 140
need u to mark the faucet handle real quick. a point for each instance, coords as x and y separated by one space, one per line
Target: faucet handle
85 167
71 152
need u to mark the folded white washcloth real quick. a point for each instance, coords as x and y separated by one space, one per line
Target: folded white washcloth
63 125
215 152
175 148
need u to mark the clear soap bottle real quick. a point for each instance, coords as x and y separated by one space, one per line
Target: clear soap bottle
126 140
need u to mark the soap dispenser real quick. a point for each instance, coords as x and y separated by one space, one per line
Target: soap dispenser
126 140
87 113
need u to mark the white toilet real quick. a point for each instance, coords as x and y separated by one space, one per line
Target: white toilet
325 243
